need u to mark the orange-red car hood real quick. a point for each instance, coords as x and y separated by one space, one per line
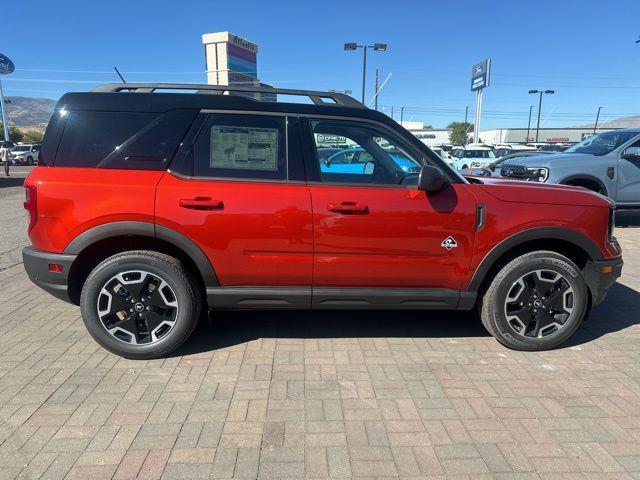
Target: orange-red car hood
530 192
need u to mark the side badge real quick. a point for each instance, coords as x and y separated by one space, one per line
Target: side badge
449 243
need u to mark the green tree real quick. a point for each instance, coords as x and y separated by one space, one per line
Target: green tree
15 135
460 132
32 136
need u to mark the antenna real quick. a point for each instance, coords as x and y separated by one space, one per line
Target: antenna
119 74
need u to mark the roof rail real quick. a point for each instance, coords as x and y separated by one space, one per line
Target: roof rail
318 98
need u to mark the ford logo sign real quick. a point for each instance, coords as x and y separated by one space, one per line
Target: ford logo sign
6 65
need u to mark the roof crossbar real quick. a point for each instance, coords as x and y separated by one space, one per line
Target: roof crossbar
317 97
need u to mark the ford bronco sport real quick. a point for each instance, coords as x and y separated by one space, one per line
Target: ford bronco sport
150 207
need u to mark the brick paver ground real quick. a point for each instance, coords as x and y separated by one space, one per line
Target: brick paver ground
319 395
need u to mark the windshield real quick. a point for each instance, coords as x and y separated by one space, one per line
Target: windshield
479 154
21 148
603 143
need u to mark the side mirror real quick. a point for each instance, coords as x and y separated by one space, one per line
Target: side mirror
431 179
631 153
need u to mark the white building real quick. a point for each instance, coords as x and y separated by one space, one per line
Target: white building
546 135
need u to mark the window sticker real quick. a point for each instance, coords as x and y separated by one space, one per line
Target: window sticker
247 148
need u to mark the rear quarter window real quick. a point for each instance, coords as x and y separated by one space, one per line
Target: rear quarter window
127 140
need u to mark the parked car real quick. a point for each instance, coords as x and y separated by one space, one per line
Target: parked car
326 152
222 203
493 169
607 163
442 154
24 154
554 147
358 160
503 150
472 157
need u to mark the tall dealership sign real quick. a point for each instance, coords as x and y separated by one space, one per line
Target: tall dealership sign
6 67
480 77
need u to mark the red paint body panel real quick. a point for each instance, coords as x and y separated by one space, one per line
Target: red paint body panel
262 235
265 233
72 200
542 193
506 218
398 242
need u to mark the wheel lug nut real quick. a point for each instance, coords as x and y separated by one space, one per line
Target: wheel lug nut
149 308
131 309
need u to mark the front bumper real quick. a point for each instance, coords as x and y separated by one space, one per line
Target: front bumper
36 264
600 275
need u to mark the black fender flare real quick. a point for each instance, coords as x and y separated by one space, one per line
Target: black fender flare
146 229
540 233
585 177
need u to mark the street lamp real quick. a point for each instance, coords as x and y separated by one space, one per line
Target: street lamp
541 92
377 47
529 124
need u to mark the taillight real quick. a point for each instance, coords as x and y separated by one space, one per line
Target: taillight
31 204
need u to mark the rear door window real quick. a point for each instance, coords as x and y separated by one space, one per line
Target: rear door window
241 146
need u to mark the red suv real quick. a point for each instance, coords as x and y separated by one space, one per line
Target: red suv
150 208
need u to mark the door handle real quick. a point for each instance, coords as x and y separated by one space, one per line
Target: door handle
348 208
201 203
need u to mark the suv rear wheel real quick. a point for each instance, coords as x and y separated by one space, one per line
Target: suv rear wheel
535 302
140 304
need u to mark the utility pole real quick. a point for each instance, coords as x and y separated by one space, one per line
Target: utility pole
375 102
401 114
466 113
391 112
529 124
595 125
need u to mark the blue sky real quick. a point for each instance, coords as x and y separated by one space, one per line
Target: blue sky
585 50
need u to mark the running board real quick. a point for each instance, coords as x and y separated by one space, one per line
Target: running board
334 298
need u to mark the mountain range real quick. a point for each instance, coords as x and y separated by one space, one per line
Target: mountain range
35 112
29 112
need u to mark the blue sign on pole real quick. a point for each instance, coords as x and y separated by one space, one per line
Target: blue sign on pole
6 65
480 75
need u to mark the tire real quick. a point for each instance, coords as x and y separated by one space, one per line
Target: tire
535 302
163 300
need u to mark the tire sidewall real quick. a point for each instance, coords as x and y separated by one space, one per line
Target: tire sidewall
498 316
111 267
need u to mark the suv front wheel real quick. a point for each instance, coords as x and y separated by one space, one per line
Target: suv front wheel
140 304
535 302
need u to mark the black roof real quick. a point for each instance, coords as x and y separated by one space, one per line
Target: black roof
126 97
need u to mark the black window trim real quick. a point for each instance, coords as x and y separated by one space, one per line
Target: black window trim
316 166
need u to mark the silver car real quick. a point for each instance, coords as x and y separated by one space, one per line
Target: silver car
607 163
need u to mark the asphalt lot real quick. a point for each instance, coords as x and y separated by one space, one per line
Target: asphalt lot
316 395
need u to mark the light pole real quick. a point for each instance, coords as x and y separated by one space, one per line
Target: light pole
595 125
466 113
541 92
377 47
529 124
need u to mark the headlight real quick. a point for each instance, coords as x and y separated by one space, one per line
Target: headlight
538 174
612 224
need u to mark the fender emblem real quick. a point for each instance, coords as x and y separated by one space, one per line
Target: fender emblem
449 243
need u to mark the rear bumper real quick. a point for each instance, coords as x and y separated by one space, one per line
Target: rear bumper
36 264
600 275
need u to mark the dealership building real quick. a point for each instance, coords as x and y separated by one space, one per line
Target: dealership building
546 135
